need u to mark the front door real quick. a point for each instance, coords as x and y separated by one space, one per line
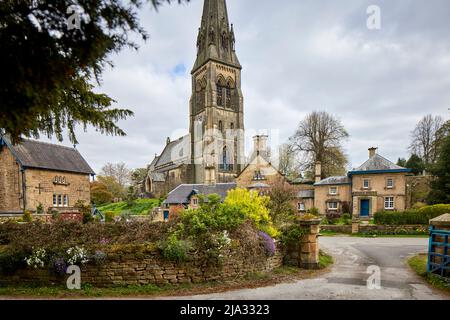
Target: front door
365 207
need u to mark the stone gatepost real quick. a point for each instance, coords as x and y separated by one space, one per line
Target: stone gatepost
308 257
355 225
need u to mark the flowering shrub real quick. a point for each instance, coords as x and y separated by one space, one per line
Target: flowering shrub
77 255
37 259
269 244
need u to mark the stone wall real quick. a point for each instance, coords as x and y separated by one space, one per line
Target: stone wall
46 218
10 182
148 267
41 187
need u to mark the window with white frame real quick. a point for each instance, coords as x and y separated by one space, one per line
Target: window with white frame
390 183
55 200
301 206
389 203
59 200
66 200
333 191
332 205
366 184
195 201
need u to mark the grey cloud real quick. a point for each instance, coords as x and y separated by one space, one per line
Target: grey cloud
298 56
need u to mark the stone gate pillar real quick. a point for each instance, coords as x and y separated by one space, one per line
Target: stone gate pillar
308 257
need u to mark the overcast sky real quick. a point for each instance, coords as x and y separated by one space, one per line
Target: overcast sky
297 57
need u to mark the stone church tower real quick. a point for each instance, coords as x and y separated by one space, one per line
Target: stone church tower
216 105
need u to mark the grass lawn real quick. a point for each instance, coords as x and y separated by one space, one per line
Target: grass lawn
138 207
251 280
419 264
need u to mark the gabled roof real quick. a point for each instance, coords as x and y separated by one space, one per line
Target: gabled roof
174 154
334 181
42 155
182 193
378 164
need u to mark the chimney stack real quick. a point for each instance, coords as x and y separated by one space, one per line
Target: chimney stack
260 144
318 172
372 151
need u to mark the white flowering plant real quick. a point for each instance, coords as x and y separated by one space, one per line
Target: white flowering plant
37 258
77 255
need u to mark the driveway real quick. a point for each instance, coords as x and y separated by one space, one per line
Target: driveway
348 276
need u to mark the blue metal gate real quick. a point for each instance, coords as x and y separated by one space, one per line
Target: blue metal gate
438 253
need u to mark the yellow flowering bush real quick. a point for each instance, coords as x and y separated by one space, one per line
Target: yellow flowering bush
253 206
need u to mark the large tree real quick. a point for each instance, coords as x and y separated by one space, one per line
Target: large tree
440 192
119 171
319 137
426 137
52 54
416 164
288 163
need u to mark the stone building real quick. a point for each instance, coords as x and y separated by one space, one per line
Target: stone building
187 196
260 175
35 173
214 149
333 195
378 184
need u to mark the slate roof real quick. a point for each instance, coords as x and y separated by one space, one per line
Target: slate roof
174 154
305 194
42 155
378 164
181 194
333 181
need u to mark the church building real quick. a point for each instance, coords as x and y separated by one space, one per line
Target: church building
213 151
36 175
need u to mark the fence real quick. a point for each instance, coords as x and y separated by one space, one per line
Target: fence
438 253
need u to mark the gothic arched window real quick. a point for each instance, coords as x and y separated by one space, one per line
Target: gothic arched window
219 95
220 126
228 96
225 158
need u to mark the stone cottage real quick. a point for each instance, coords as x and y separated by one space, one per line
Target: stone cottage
187 196
261 175
378 184
34 174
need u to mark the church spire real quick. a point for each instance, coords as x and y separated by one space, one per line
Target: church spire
215 40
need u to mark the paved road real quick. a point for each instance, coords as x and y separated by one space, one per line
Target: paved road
348 277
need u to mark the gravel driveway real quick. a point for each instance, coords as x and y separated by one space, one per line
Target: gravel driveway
348 277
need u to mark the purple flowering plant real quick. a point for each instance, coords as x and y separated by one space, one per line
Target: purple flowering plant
268 242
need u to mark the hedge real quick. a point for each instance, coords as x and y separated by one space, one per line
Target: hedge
419 216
